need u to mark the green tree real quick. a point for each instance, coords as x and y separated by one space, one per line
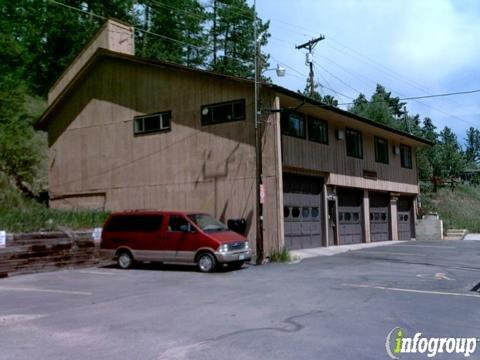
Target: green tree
181 24
51 35
451 161
231 34
427 159
381 107
327 99
472 144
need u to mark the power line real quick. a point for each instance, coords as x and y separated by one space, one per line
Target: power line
336 77
431 96
164 37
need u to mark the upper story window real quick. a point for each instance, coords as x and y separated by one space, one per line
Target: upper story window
223 112
381 150
317 130
152 123
353 140
293 124
406 156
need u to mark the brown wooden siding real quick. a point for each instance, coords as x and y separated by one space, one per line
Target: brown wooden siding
191 167
345 170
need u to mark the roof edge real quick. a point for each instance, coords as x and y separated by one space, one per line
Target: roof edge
349 114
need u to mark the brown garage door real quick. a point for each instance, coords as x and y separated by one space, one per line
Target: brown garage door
350 229
379 217
405 218
302 211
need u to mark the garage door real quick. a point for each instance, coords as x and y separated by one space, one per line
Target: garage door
379 217
350 230
302 211
405 218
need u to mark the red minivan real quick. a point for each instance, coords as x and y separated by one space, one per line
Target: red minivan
172 237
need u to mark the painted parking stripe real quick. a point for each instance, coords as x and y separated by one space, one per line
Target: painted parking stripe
53 291
389 253
94 272
427 246
410 290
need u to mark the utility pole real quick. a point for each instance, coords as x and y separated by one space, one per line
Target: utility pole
214 32
258 147
405 119
309 60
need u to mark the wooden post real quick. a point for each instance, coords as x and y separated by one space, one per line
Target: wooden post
393 218
366 217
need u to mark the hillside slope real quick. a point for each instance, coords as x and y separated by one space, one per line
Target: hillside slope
19 214
459 209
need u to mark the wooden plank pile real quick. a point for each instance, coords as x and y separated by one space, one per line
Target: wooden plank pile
47 251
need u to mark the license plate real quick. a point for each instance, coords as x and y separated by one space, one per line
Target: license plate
241 257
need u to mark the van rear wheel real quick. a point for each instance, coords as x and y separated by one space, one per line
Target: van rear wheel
125 260
206 262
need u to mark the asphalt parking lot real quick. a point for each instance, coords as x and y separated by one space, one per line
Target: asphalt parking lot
331 307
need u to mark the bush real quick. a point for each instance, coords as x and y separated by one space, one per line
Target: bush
281 256
458 209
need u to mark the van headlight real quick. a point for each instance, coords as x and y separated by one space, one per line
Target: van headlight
223 248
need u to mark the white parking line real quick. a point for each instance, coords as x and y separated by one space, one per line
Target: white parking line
93 272
388 253
427 246
410 290
53 291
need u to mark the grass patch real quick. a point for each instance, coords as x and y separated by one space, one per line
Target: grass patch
18 214
459 209
38 217
281 256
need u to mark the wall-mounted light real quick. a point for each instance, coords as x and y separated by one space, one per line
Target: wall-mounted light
396 150
340 134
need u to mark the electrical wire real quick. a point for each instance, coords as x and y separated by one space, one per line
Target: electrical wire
164 37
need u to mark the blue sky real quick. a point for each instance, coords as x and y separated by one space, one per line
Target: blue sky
412 47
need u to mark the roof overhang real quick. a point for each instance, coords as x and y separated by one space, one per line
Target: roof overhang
346 117
100 53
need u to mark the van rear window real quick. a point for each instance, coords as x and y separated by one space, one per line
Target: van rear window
135 223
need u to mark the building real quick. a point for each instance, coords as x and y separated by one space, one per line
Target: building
131 133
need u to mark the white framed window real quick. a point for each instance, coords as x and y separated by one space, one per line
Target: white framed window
152 123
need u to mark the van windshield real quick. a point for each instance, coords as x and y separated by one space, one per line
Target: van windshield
207 223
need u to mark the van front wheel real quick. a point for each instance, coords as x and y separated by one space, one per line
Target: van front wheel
125 260
206 262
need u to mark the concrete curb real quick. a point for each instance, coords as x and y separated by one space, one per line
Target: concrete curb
334 250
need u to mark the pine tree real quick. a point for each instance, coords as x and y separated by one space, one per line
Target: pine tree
181 25
232 38
472 142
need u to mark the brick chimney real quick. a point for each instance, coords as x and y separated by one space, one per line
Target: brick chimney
114 35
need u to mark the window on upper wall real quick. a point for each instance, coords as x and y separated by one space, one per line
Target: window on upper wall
406 156
381 150
293 124
152 123
317 130
223 112
354 143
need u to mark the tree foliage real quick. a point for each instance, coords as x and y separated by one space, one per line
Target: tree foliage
38 39
326 99
445 158
472 146
232 38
